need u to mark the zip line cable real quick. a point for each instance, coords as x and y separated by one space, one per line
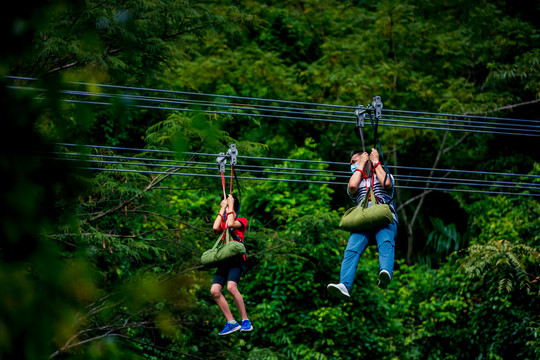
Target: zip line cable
177 92
280 171
295 113
343 164
469 126
173 166
398 121
450 123
133 88
334 114
395 123
307 181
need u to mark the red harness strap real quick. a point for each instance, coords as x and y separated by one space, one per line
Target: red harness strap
232 174
364 176
223 185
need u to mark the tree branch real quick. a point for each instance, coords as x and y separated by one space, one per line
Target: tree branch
155 181
170 218
506 107
67 66
426 192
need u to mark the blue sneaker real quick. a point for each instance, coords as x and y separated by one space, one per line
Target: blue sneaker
230 328
246 326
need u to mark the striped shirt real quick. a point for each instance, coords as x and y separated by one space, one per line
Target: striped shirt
382 195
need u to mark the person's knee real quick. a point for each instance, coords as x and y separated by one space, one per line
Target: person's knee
232 288
386 246
215 291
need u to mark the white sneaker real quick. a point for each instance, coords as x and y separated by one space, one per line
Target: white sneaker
339 290
384 279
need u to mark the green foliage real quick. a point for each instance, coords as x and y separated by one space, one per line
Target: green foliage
441 242
505 218
503 261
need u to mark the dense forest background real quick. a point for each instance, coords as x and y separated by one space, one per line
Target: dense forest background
105 264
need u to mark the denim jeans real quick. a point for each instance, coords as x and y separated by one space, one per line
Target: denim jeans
358 243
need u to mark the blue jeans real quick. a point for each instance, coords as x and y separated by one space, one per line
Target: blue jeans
358 243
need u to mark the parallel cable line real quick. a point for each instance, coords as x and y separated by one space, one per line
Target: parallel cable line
334 114
176 92
395 121
342 164
457 115
406 179
462 122
401 180
430 123
427 120
173 164
307 181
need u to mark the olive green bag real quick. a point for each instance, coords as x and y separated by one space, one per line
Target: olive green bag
364 218
220 254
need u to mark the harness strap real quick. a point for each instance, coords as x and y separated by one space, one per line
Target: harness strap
377 105
232 152
223 185
360 113
232 174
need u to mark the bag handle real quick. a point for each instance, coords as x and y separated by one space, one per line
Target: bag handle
373 198
227 238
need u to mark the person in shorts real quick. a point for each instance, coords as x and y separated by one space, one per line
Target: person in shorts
229 274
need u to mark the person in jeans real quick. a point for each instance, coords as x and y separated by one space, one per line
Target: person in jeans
358 188
231 272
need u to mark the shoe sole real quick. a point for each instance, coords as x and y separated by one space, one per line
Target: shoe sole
336 292
246 330
384 280
230 332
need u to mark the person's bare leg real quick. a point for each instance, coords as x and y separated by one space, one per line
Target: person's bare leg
232 288
221 302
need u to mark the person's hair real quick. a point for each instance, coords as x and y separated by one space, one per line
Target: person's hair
354 152
236 204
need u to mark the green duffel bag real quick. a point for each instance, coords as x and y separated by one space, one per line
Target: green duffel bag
217 255
363 218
